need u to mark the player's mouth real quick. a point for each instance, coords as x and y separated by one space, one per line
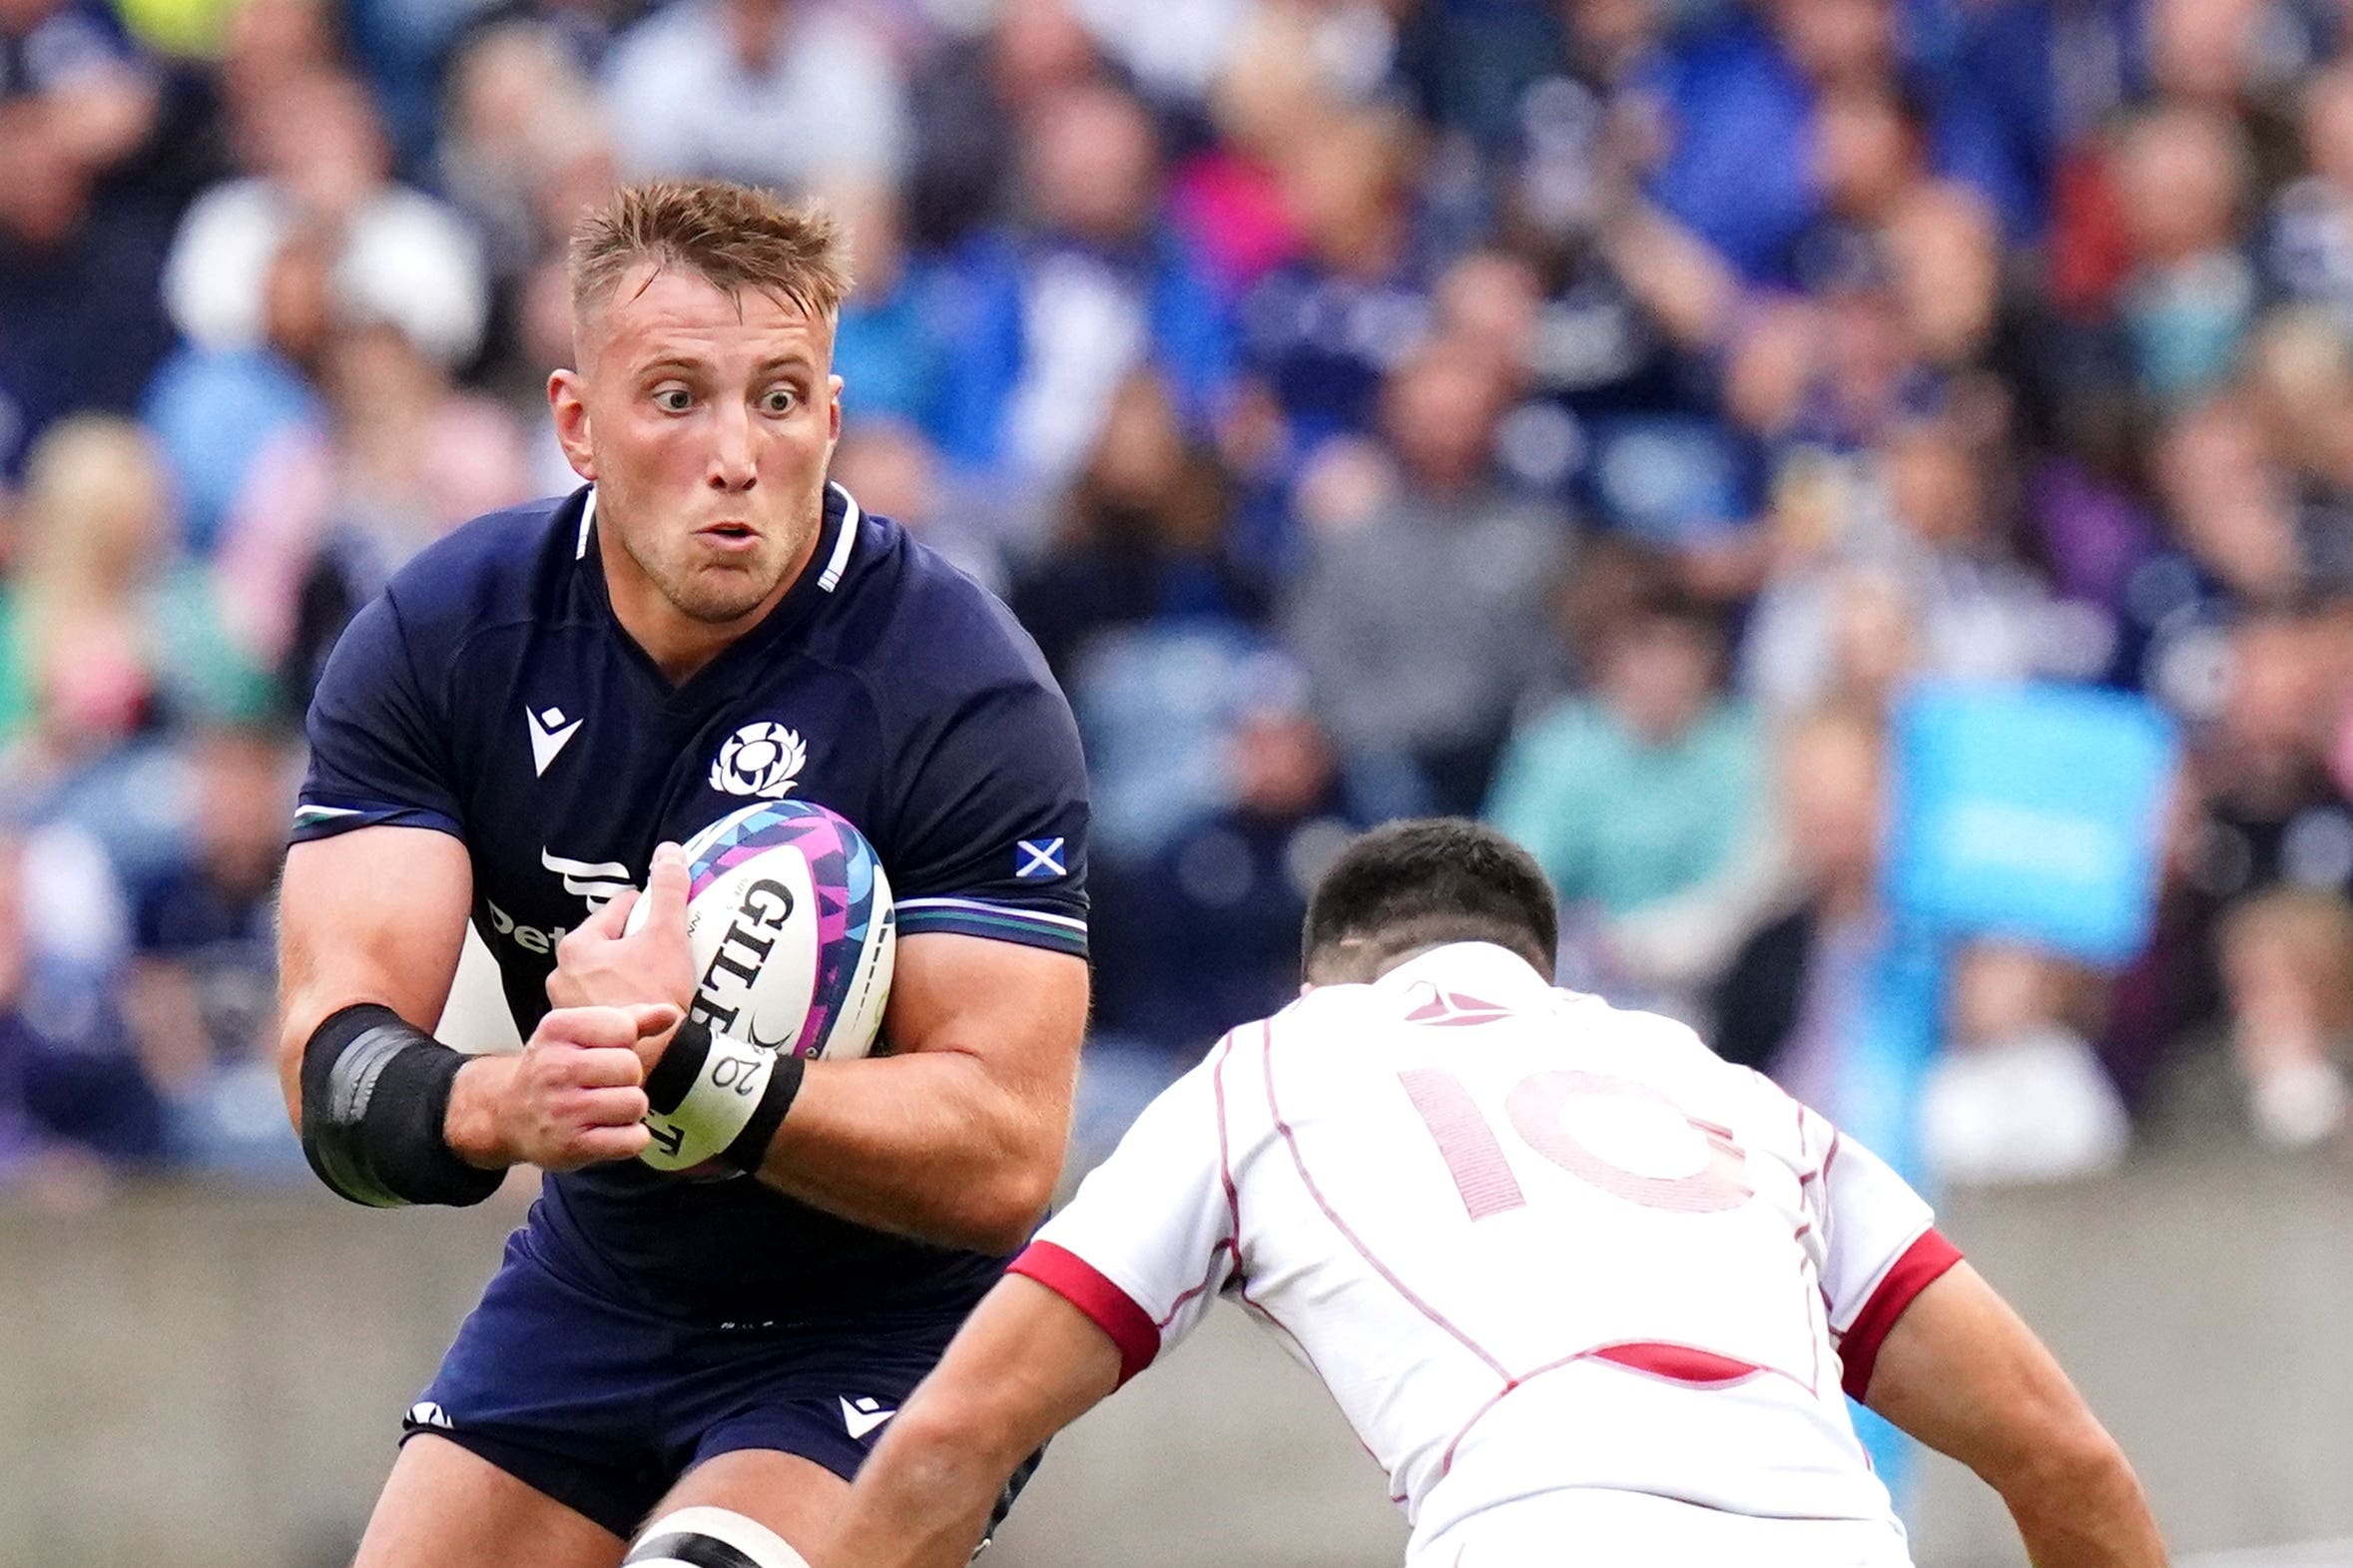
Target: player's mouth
731 538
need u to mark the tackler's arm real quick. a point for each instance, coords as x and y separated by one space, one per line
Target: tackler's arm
1961 1372
1025 1364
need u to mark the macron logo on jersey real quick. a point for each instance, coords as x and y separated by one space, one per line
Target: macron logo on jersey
861 1416
549 734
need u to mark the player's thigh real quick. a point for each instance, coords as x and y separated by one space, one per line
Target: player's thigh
444 1507
794 1496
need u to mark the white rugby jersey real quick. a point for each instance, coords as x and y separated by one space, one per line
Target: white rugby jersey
1530 1242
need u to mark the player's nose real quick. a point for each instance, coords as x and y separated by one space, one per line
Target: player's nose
731 465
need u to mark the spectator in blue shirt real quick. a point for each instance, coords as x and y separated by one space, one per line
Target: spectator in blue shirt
1050 316
1756 84
80 249
204 967
1322 333
72 1098
887 350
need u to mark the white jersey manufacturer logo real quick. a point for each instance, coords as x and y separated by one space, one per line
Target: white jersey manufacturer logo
549 734
598 881
862 1416
759 759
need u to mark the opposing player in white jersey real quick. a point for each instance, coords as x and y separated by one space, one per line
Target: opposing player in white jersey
1586 1291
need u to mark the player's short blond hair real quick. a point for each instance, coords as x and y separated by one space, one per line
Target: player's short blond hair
734 237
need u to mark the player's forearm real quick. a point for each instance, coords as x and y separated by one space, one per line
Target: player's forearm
1961 1372
926 1144
1023 1366
474 1126
2083 1510
921 1501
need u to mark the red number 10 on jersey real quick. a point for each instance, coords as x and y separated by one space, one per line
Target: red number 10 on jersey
1537 1107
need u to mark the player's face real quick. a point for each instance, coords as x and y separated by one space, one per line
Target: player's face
707 421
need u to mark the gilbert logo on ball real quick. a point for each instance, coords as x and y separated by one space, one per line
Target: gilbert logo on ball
759 759
792 928
791 933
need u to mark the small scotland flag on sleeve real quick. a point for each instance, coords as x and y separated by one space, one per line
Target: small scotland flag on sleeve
1038 859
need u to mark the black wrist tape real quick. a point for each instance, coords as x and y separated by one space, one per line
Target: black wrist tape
751 1145
687 1071
681 1064
375 1096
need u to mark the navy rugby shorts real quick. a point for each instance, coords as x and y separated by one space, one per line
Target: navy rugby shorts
602 1406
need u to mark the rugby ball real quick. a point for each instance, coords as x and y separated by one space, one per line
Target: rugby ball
790 921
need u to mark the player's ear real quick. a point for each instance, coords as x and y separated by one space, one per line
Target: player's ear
832 410
570 410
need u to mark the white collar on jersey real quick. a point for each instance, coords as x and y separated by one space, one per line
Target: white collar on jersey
835 564
839 562
1481 968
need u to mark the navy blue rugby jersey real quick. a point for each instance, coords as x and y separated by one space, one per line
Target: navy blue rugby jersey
490 694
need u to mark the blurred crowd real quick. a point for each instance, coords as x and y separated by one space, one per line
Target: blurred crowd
1593 415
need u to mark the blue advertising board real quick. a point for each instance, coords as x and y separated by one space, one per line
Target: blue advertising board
2034 812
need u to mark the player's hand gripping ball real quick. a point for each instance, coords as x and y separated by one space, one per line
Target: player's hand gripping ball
793 933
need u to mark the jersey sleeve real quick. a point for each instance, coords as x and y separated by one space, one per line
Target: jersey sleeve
379 747
993 836
1150 1239
1880 1246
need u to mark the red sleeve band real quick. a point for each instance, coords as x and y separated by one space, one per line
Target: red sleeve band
1923 1262
1080 1284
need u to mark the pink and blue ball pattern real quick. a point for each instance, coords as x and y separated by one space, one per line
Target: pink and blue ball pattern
842 867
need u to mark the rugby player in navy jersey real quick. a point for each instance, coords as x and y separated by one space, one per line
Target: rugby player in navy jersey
520 729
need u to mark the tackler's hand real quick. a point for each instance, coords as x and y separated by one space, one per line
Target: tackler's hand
613 961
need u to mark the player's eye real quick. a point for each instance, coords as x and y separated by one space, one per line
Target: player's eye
673 399
780 401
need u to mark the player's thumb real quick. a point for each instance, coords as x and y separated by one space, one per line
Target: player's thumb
666 885
653 1020
657 1025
